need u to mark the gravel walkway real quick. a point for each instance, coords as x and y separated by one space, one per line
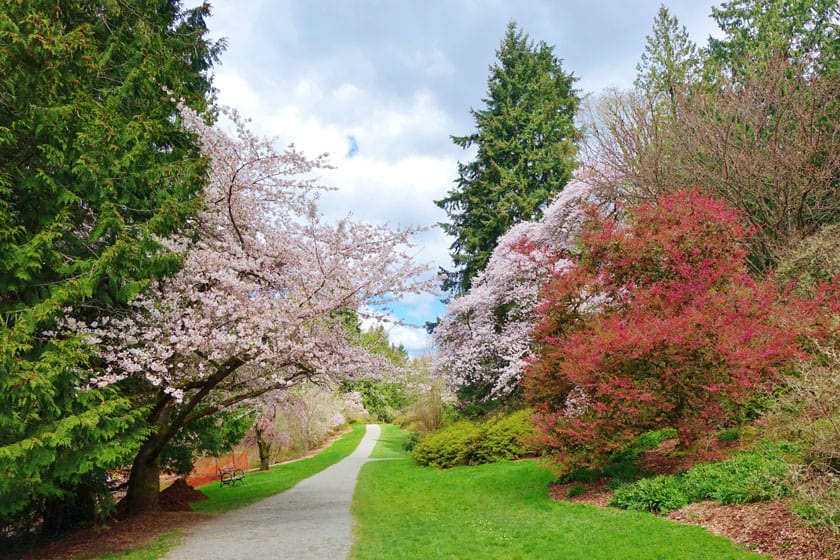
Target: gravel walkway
311 520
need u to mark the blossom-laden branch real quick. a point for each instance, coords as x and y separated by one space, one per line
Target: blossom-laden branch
484 337
253 306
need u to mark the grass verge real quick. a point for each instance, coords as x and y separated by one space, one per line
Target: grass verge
502 510
262 484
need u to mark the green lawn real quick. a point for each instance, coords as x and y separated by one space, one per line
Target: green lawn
503 511
262 484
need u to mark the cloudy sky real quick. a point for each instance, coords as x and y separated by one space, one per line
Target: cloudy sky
381 85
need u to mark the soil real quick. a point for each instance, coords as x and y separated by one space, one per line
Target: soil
763 527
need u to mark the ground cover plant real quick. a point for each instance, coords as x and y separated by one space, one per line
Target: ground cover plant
748 476
502 510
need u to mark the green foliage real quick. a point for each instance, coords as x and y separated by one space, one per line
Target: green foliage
505 438
380 398
669 62
499 438
211 435
525 137
502 510
749 476
93 166
450 446
659 494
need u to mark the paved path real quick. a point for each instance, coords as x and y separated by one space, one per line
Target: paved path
311 520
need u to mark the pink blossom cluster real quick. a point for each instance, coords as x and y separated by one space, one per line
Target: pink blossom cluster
484 336
253 307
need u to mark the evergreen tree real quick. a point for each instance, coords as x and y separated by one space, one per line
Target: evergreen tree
805 32
670 60
525 137
94 165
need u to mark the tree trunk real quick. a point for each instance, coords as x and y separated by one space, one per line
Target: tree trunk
264 448
144 479
265 453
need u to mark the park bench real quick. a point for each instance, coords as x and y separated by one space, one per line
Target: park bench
230 476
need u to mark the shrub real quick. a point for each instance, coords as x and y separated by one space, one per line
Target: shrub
505 438
500 438
451 446
657 324
575 491
660 494
749 476
809 414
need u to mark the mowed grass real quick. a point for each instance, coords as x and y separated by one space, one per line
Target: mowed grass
503 511
262 484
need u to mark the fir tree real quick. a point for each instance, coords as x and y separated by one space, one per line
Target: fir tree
525 137
94 165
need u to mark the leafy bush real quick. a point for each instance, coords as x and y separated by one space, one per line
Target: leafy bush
505 438
659 323
575 491
660 494
451 446
749 476
500 438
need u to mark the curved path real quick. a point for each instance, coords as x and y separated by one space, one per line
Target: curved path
310 520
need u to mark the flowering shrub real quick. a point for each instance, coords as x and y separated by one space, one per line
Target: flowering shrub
484 337
658 324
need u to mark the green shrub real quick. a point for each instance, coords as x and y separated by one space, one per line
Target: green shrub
575 490
505 438
660 494
451 446
500 438
749 476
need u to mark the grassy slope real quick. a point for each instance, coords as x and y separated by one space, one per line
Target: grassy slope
262 484
502 511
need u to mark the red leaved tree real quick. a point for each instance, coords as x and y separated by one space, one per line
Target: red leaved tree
658 324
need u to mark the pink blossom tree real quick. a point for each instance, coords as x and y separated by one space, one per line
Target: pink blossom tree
256 304
484 337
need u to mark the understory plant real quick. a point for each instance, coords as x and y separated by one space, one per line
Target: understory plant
499 438
749 476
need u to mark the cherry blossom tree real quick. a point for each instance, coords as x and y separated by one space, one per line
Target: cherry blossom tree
256 305
484 337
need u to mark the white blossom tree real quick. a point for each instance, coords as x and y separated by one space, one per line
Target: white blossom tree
483 338
256 305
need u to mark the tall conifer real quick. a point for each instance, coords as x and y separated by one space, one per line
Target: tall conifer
525 137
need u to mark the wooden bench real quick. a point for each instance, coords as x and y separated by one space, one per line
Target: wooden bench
230 476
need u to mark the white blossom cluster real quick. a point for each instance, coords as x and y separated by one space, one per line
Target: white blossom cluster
253 307
484 336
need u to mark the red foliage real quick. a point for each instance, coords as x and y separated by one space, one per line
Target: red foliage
658 324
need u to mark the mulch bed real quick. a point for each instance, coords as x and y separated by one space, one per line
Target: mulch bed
763 527
178 495
120 535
